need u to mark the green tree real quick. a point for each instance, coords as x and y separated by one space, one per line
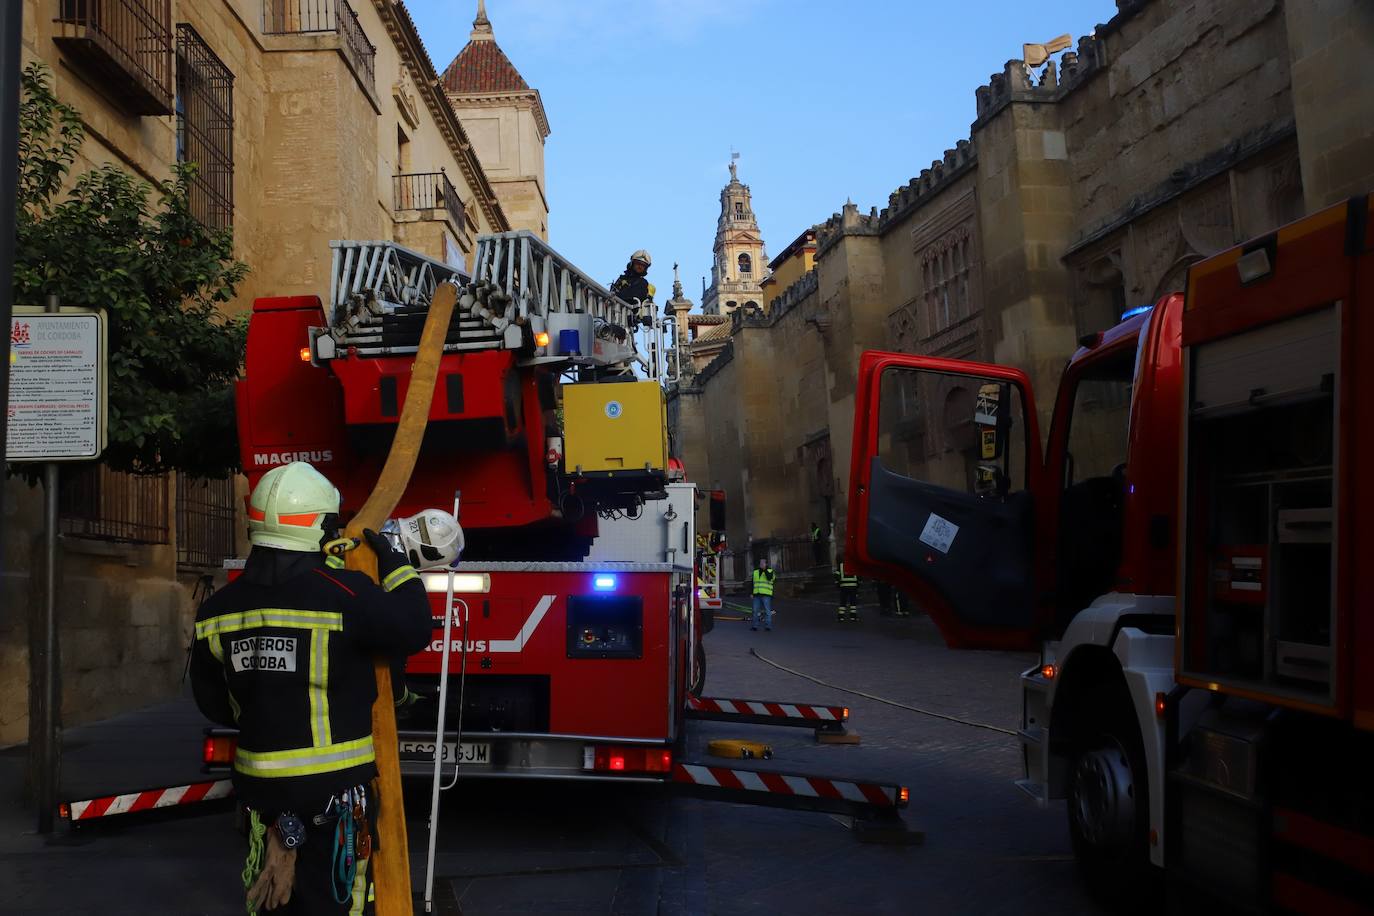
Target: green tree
115 242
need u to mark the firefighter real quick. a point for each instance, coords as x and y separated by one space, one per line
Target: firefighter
849 594
284 653
763 594
633 285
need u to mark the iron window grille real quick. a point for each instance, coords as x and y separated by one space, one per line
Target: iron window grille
430 191
287 17
205 128
96 502
206 524
126 44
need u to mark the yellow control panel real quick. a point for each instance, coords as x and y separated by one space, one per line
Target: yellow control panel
614 427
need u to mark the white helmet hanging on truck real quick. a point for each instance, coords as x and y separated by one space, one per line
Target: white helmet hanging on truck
430 539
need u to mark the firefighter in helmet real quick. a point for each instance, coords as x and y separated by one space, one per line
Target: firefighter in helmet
633 285
849 593
285 654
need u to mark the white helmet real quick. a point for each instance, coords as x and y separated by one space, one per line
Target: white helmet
289 506
642 255
431 538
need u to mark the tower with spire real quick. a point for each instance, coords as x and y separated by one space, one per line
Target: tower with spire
506 122
740 256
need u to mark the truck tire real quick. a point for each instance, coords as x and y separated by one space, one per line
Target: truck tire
698 683
1108 802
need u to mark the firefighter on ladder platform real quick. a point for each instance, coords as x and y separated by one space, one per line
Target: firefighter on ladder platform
849 594
285 654
633 285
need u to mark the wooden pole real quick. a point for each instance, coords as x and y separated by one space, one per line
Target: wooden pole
391 860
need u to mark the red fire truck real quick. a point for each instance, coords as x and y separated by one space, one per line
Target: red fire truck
1205 696
575 621
574 644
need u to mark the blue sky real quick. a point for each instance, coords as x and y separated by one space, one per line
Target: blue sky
824 101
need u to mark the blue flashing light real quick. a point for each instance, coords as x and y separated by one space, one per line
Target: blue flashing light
603 583
1138 310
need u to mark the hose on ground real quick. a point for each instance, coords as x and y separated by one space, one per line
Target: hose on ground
877 699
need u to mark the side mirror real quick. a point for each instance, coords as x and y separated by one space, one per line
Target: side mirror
717 510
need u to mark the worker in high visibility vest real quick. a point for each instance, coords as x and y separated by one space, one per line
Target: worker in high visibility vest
285 654
817 545
849 594
763 595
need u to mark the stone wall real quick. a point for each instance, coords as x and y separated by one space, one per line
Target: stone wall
315 148
1330 44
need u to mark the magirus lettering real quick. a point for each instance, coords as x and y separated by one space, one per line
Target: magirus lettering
272 459
456 645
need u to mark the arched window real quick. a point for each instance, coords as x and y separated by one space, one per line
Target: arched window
739 209
746 264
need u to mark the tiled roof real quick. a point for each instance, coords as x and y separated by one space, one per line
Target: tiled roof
714 332
482 67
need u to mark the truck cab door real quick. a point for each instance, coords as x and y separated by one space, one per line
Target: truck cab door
946 462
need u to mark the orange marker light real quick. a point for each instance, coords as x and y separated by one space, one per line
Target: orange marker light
305 354
903 796
1048 672
64 811
1161 707
541 339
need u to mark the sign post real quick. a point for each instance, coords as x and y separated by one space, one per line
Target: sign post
56 412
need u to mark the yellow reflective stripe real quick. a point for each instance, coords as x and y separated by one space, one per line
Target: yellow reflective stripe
399 576
233 705
319 688
306 761
269 617
334 562
216 648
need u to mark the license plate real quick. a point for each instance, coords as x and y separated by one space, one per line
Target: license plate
469 753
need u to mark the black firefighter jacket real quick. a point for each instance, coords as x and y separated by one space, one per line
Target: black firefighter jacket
285 654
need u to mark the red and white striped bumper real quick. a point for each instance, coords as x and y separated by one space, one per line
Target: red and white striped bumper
807 791
149 800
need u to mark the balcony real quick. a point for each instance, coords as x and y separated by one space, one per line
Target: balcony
126 45
431 195
304 17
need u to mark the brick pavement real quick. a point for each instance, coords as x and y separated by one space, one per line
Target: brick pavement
988 848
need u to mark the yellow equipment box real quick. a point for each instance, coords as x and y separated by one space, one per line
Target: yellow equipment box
614 427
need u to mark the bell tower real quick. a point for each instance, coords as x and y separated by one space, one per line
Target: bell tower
506 122
740 256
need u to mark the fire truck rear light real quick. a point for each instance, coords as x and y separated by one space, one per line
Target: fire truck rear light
219 749
1254 265
903 796
463 583
613 759
305 354
64 811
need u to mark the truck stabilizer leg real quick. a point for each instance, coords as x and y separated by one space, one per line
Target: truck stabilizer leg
875 806
827 721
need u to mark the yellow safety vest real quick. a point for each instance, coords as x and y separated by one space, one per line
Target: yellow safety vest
763 582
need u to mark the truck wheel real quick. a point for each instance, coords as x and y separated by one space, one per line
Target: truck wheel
699 670
1109 816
